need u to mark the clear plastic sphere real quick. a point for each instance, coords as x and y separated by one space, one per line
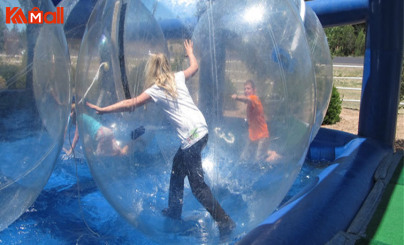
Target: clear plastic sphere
34 101
234 41
118 40
262 41
321 58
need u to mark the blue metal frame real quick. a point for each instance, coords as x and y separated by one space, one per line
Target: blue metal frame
340 12
382 62
382 70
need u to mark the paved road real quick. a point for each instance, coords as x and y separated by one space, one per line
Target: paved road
348 60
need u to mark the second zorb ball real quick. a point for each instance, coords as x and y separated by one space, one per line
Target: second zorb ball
131 173
259 139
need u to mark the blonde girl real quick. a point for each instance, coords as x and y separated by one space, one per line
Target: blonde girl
169 91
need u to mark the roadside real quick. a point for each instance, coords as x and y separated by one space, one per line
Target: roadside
347 74
349 123
348 60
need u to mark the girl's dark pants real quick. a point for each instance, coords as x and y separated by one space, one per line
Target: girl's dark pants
188 162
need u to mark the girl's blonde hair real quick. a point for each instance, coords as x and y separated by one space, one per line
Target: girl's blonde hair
158 72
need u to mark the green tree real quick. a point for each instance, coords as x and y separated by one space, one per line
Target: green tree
347 40
360 43
334 108
340 40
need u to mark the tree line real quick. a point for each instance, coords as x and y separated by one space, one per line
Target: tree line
349 40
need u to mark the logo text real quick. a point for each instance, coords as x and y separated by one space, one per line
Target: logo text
15 15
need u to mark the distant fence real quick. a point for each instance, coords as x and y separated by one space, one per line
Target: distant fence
355 89
349 66
352 78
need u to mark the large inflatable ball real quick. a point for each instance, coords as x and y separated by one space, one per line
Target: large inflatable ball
34 101
125 162
259 46
254 87
321 58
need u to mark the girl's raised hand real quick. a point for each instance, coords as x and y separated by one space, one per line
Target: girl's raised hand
193 63
188 44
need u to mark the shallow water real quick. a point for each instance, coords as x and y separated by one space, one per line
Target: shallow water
72 210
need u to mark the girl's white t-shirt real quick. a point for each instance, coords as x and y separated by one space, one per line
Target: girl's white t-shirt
182 111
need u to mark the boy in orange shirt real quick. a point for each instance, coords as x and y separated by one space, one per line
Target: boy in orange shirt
258 145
